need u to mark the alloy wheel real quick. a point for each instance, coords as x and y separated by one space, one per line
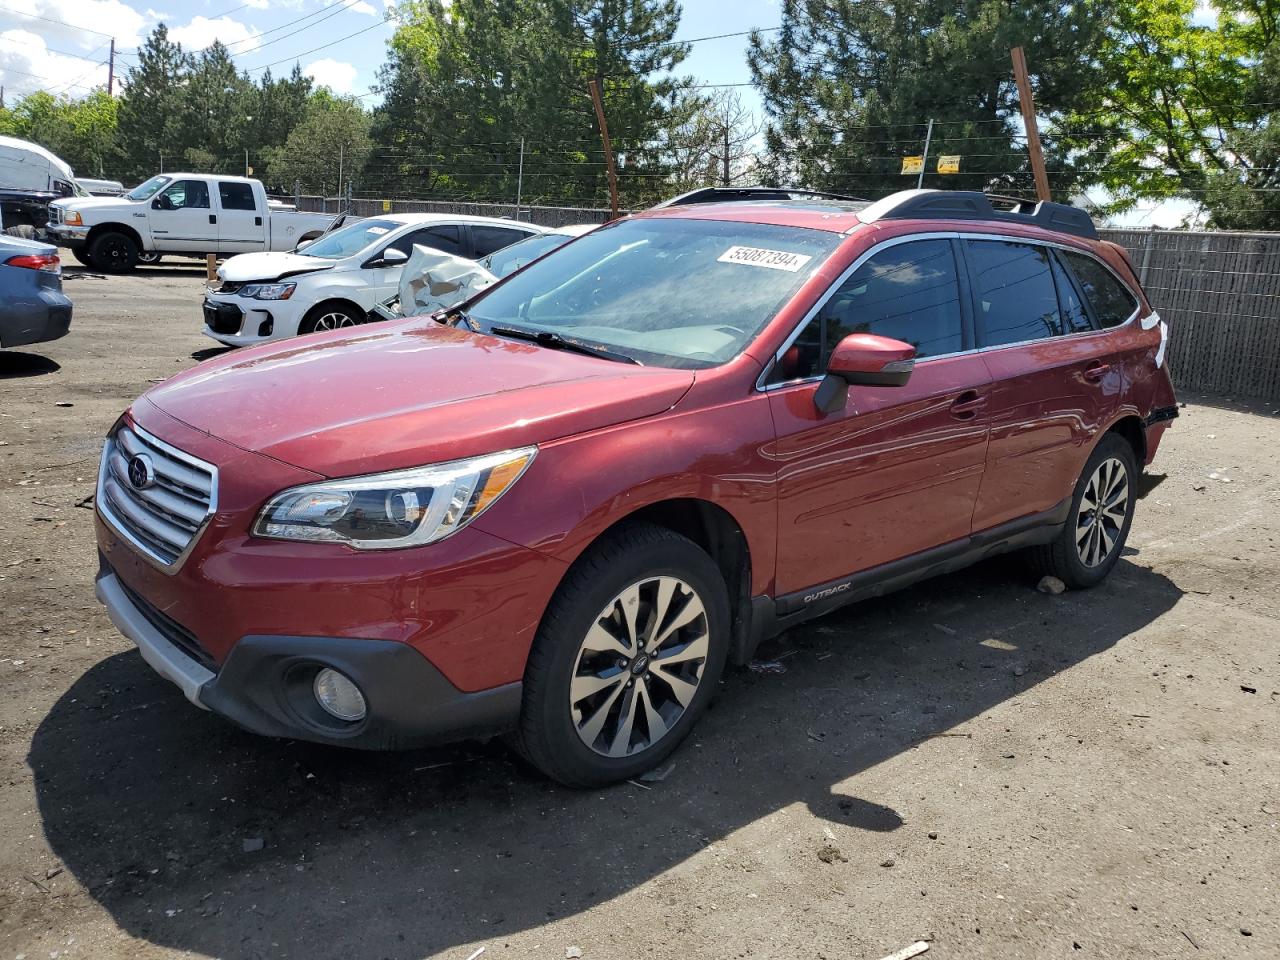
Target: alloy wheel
334 321
639 666
1102 512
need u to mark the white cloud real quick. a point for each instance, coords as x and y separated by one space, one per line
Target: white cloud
201 32
158 15
258 4
98 16
334 74
27 65
361 7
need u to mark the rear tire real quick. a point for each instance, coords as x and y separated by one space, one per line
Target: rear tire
113 252
329 316
628 655
1097 526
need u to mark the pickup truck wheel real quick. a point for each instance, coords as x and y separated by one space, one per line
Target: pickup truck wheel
149 257
628 655
82 257
1101 513
329 316
113 252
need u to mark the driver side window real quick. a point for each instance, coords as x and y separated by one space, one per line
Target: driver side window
908 291
186 195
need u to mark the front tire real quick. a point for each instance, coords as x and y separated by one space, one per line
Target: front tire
1098 524
329 316
629 653
113 252
149 258
82 257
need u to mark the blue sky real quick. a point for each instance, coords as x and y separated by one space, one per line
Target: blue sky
61 45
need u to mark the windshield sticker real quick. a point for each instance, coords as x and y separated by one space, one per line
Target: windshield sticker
377 231
772 259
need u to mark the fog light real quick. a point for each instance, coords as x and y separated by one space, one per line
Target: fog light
339 696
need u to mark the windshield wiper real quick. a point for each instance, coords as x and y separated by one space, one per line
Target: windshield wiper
548 338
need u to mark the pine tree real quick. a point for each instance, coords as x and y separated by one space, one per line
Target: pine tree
152 111
849 85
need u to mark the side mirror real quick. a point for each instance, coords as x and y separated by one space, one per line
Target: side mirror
302 245
391 257
867 360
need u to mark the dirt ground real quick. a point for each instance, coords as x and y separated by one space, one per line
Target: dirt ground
1002 773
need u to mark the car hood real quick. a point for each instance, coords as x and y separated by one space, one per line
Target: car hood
81 204
270 266
407 393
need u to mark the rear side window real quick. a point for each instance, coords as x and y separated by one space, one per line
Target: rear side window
908 292
1074 316
1014 290
1112 303
236 196
488 239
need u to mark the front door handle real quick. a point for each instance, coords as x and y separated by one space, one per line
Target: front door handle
213 218
1096 371
967 405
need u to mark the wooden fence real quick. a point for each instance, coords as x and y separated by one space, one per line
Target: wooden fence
1219 291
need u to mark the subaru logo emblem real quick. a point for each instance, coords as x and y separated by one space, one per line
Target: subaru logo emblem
141 473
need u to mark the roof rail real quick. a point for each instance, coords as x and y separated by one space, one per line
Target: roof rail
973 205
735 194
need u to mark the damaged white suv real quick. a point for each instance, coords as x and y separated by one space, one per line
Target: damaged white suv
336 280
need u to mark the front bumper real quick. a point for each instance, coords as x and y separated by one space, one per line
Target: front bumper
265 684
71 236
236 322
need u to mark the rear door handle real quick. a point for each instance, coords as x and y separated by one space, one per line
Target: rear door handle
1096 371
967 405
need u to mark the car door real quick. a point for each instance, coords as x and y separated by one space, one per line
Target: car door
241 225
181 217
897 470
1052 390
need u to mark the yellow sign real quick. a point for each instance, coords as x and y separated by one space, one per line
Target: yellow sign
912 164
949 164
386 206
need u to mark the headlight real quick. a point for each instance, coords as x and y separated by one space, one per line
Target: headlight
384 511
74 220
268 291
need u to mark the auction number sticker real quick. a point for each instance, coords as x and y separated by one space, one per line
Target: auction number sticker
758 257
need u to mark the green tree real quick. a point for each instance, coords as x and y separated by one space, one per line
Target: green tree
463 85
153 108
1245 195
330 146
81 132
848 86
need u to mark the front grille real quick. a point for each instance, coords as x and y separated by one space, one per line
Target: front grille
171 629
163 516
223 318
55 213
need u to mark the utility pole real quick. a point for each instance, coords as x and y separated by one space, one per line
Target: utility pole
341 147
924 161
724 174
520 179
1029 121
111 69
246 161
162 161
608 147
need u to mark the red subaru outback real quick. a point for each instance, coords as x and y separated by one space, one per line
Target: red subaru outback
559 511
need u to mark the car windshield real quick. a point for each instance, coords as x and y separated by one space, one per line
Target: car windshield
510 259
145 191
349 241
668 292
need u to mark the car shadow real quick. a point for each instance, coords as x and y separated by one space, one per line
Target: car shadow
201 838
15 364
208 353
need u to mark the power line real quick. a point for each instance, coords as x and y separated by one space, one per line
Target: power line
324 46
344 4
23 13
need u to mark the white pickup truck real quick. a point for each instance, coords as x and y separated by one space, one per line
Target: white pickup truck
188 213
